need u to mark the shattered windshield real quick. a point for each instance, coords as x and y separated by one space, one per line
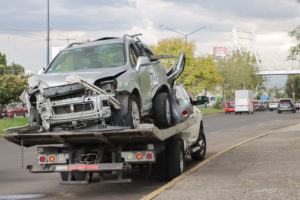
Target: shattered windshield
86 58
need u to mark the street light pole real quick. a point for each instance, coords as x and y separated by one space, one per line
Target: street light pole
48 33
185 35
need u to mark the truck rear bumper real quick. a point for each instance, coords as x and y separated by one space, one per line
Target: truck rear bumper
80 167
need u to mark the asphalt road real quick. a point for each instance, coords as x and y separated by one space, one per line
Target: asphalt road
221 131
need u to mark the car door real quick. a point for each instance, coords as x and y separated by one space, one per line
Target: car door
144 75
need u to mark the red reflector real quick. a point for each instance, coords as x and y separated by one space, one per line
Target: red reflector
92 167
149 156
51 158
42 159
139 156
76 167
184 112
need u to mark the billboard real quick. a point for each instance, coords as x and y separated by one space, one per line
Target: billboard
221 51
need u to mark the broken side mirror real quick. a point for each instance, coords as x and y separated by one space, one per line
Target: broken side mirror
142 61
200 100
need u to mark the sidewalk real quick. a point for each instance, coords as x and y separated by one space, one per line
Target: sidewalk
266 168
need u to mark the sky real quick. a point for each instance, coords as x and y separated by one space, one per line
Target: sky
23 25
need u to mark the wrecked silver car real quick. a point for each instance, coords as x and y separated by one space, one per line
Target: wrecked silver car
110 82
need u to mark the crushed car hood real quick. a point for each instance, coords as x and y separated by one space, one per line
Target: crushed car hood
56 79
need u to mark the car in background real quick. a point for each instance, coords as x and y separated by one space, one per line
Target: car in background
297 105
256 106
286 104
13 110
229 107
273 105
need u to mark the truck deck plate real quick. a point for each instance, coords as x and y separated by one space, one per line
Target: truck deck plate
144 134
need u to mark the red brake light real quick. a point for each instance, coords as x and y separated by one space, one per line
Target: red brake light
149 156
184 112
42 159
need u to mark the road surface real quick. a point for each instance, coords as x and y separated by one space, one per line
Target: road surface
221 131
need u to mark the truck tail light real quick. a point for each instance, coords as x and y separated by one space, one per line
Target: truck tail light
42 159
51 158
139 156
149 156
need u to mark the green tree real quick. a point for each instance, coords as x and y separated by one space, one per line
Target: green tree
239 73
15 69
2 59
295 50
11 87
295 81
199 72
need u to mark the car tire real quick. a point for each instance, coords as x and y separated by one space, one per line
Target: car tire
294 111
162 110
175 159
133 116
279 112
200 154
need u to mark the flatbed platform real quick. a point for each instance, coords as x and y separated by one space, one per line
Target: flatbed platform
147 133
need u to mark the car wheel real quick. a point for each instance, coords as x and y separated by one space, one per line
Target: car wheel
133 117
200 154
294 111
279 112
175 159
162 110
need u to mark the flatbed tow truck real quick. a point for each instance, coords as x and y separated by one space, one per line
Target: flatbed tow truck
77 155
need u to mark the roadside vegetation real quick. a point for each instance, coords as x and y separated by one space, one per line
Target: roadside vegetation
7 123
211 110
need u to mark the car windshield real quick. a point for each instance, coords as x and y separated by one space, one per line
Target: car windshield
86 58
285 101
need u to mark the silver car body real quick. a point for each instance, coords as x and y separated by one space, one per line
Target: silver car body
72 105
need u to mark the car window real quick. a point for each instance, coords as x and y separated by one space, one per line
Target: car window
132 55
285 101
229 105
212 99
91 57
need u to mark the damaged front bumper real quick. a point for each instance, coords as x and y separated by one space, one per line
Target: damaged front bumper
74 111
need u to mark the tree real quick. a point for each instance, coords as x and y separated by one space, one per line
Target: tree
11 87
295 50
293 80
2 59
239 73
14 69
199 73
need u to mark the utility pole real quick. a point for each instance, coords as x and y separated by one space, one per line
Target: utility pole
185 35
48 34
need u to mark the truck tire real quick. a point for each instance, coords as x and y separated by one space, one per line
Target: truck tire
200 154
162 110
160 168
80 176
175 159
64 176
133 116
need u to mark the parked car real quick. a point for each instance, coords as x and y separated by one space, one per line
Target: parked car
229 107
273 105
286 104
105 84
297 105
256 106
13 110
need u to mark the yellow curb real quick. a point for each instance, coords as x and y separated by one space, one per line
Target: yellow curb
178 178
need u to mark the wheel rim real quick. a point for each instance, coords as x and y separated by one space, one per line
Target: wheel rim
135 113
181 161
168 111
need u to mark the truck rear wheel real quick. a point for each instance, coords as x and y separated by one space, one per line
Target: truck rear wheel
80 176
162 110
64 176
200 154
175 159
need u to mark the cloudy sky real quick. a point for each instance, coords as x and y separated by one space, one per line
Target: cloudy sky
23 24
